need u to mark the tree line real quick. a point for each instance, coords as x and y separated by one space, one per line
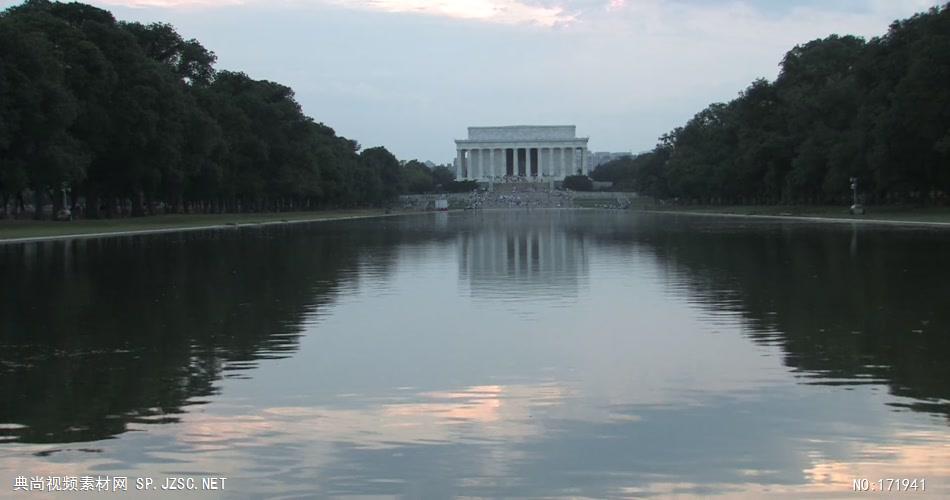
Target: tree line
840 108
115 118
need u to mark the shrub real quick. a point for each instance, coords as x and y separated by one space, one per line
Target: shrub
460 186
578 183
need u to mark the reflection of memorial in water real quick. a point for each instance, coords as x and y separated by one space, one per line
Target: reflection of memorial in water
523 255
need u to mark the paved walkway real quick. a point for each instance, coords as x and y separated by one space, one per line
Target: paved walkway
806 218
174 229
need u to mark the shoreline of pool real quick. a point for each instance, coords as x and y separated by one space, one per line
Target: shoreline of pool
205 227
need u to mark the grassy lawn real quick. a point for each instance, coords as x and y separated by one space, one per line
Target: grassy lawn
12 229
896 214
15 229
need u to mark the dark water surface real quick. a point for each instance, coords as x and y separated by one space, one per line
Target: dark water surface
497 354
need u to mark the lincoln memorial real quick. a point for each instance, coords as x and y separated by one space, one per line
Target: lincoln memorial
539 153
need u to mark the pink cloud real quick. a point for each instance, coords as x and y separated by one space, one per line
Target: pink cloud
492 11
172 3
497 11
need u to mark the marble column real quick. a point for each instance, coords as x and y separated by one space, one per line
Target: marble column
562 161
467 165
540 162
458 163
542 165
475 156
483 162
491 162
552 167
529 165
473 164
565 165
584 161
504 160
525 160
500 171
517 163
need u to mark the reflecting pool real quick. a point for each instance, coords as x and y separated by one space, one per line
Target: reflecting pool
485 354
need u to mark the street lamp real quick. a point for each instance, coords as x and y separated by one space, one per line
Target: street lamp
856 208
65 213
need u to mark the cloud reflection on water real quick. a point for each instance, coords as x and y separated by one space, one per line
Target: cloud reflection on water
676 367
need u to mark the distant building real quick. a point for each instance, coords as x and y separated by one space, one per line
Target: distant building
536 153
601 157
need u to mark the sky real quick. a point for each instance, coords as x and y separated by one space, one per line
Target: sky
411 75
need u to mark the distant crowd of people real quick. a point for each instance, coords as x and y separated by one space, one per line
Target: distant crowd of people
526 195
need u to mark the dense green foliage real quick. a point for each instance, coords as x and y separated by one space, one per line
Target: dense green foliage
840 108
578 183
461 186
133 119
418 178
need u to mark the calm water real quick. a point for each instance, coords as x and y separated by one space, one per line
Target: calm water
543 354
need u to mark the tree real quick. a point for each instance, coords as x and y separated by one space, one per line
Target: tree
840 108
187 58
616 171
381 179
135 119
442 175
578 183
38 109
417 178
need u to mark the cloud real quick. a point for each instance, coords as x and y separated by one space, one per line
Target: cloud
497 11
625 72
493 11
173 3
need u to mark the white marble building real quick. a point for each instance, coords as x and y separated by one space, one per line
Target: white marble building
536 153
